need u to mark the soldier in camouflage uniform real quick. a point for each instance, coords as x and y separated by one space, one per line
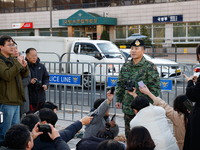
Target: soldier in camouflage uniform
138 69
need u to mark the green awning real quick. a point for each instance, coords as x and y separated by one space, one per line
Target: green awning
83 18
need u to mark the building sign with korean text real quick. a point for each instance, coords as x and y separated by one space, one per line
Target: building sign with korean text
170 18
84 18
25 25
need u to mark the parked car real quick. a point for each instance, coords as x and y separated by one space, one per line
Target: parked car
167 69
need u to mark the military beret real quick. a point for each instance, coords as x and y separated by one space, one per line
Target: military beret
137 43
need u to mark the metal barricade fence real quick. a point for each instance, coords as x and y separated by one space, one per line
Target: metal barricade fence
66 90
162 52
94 84
101 73
166 71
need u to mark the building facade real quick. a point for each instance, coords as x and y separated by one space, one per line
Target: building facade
167 21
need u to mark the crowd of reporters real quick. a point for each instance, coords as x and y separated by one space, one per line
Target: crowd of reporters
36 130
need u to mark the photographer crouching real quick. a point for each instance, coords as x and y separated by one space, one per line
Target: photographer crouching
39 80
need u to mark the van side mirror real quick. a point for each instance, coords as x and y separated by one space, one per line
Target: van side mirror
98 55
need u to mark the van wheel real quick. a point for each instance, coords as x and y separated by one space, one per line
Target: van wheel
87 81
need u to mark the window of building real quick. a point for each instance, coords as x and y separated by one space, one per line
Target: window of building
76 32
19 6
9 6
8 32
61 4
88 3
41 5
24 32
159 33
149 30
155 32
179 30
193 29
1 6
105 3
186 32
133 29
30 5
120 32
55 32
19 32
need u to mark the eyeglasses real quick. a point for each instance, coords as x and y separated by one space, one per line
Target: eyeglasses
11 45
33 56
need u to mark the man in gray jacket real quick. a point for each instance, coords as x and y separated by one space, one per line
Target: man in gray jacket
100 118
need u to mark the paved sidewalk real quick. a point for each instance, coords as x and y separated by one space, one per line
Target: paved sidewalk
61 124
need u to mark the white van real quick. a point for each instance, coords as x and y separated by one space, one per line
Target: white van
77 50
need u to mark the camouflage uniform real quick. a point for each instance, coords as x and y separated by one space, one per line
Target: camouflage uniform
143 71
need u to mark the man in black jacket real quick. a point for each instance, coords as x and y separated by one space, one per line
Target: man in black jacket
39 80
67 134
19 137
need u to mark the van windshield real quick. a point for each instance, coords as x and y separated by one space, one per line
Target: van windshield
109 50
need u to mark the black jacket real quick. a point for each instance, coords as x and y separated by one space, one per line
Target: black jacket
5 148
66 134
191 141
38 71
146 148
89 143
59 144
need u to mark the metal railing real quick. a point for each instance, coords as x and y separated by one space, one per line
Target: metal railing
94 84
71 97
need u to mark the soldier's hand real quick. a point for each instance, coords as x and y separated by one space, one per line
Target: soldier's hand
118 105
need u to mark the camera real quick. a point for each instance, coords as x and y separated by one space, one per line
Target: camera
112 90
37 84
107 125
45 128
129 85
188 104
